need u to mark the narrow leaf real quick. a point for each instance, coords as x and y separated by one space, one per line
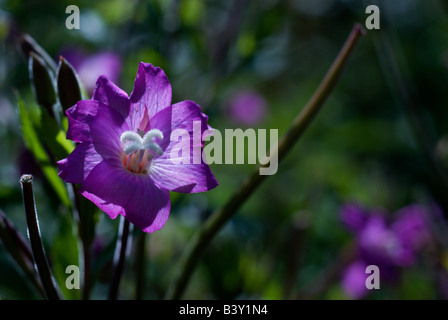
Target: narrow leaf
19 250
67 145
42 83
47 129
29 45
68 85
34 145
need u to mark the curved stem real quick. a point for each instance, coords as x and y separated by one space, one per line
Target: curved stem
40 258
210 228
120 257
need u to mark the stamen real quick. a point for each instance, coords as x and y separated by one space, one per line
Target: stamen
140 149
130 136
136 141
151 134
154 147
149 143
132 147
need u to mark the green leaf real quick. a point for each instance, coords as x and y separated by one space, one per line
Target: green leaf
65 252
68 85
34 145
67 145
29 46
48 130
19 249
42 83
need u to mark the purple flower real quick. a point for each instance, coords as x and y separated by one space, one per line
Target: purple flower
123 160
377 243
353 216
247 107
387 245
410 225
354 280
90 67
411 229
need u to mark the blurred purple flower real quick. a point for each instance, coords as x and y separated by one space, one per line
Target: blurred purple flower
387 245
354 279
353 216
247 107
410 226
90 67
377 243
123 157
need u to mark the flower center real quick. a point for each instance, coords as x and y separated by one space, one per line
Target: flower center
140 149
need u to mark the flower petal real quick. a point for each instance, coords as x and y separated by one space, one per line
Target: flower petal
184 178
181 115
188 176
108 186
117 191
104 63
78 117
106 129
152 93
149 205
109 94
77 166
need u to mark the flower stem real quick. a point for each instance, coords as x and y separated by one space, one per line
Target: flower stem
210 228
40 258
140 266
120 257
84 216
